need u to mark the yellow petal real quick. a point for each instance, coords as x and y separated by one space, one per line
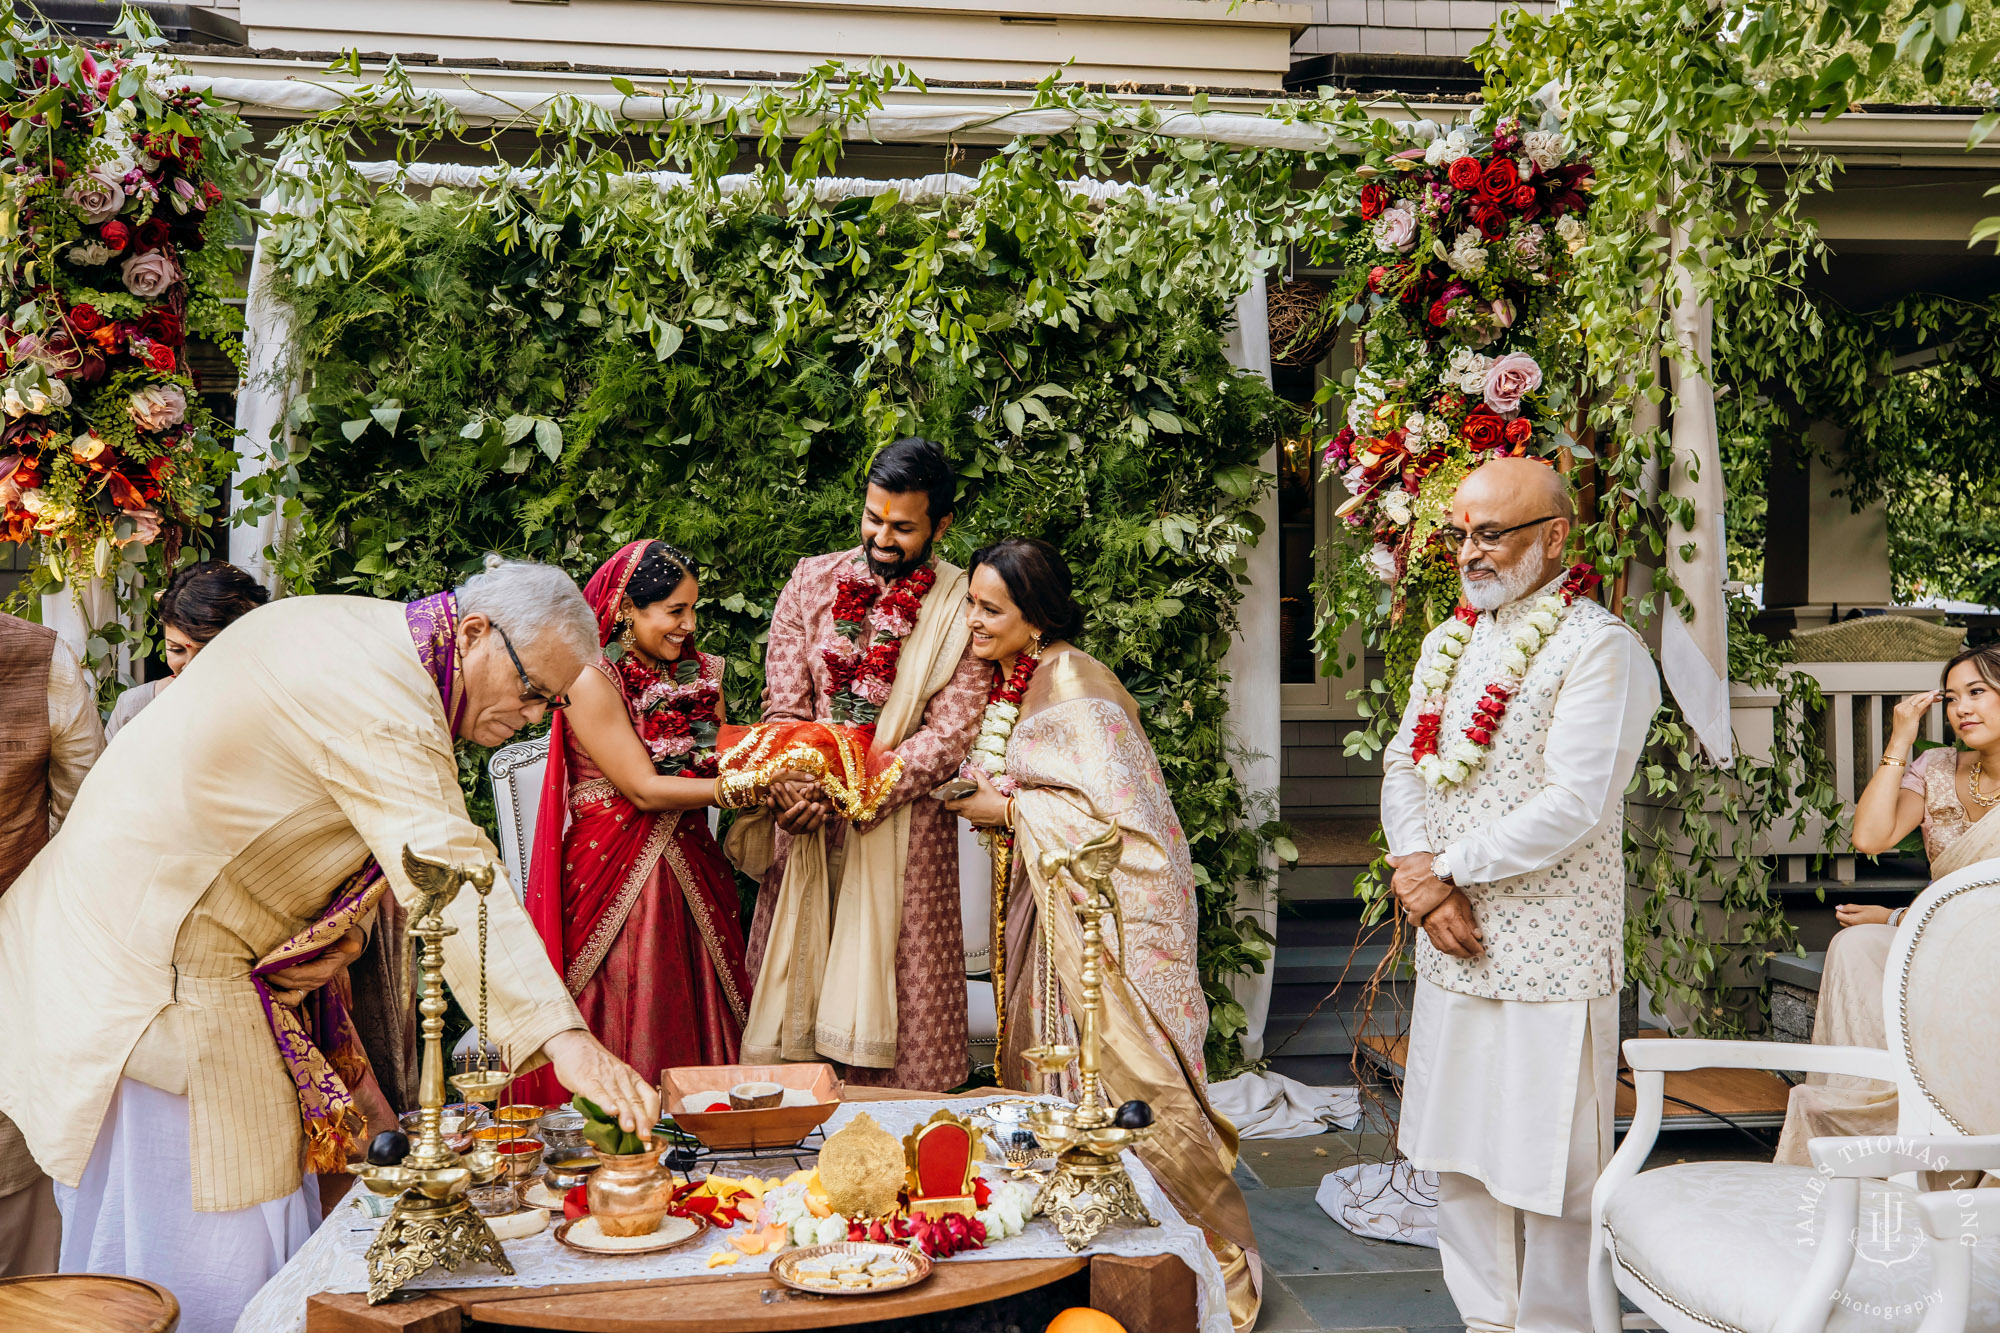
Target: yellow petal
721 1259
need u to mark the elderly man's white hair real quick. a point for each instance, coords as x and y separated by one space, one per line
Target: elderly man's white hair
533 603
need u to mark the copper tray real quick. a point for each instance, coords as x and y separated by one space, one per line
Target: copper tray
700 1230
734 1131
786 1266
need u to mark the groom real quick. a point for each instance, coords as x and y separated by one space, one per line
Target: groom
874 635
1503 803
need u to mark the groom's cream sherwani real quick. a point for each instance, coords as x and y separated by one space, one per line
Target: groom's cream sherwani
1513 1055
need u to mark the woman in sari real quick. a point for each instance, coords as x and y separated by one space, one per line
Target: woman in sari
1946 792
625 882
1062 756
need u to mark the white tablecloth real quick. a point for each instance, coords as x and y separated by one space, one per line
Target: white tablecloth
332 1260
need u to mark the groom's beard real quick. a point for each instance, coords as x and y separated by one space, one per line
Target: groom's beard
890 570
1511 584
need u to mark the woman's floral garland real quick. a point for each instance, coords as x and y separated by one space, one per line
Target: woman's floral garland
1458 248
1440 664
127 193
678 717
996 725
862 678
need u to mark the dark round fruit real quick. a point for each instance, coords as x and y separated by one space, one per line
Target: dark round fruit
388 1148
1133 1115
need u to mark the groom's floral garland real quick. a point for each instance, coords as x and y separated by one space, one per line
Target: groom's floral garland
862 678
1455 763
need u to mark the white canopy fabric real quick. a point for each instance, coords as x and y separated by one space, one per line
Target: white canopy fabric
900 124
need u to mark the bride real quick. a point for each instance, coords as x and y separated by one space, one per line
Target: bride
1947 793
1074 763
626 883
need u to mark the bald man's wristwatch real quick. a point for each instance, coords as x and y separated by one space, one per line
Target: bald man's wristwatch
1441 868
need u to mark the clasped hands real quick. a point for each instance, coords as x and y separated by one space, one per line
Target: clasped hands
1444 912
798 802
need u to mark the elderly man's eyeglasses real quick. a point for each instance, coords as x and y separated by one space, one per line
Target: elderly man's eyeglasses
1487 540
531 693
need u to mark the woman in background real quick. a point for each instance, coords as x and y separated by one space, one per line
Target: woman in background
1946 792
625 881
199 603
1062 757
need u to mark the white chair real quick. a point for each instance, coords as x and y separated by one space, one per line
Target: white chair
516 773
1851 1245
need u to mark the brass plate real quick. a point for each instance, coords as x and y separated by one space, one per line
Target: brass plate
786 1266
562 1238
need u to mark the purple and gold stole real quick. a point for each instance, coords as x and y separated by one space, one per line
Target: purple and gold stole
317 1040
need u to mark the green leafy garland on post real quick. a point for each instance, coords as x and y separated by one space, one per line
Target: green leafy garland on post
119 195
555 372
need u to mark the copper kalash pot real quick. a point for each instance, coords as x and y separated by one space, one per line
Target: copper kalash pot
630 1193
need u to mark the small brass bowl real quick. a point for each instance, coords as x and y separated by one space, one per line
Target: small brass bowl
524 1114
569 1172
522 1157
485 1165
488 1135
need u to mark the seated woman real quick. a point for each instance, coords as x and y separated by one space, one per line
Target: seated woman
626 883
1946 792
200 602
1076 761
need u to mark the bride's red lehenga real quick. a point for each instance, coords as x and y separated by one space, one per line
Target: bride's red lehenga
639 910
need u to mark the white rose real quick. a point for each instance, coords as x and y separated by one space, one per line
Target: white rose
1450 647
11 403
91 254
1462 751
1004 711
1454 770
990 745
1528 639
33 501
1433 679
59 393
1544 620
1513 660
991 763
1432 769
1572 232
1396 504
38 401
1544 148
1435 150
831 1230
1437 430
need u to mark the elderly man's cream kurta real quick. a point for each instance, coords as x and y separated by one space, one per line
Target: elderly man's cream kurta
217 825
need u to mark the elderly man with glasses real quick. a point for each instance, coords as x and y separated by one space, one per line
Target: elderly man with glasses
215 877
1503 804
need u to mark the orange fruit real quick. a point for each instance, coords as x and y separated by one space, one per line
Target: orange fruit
1082 1319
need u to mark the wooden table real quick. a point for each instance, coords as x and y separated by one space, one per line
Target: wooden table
87 1303
1147 1294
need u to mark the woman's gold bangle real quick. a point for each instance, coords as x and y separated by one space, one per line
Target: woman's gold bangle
1891 759
736 791
1010 812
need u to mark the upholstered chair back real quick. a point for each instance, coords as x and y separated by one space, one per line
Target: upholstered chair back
1941 1002
516 772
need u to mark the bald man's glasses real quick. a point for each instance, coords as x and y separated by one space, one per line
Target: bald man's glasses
1487 540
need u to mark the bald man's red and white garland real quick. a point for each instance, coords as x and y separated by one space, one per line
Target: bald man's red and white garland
1451 765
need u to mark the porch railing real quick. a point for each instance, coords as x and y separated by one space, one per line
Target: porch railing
1854 727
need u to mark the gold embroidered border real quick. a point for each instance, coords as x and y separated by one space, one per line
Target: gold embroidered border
849 789
584 965
596 789
704 921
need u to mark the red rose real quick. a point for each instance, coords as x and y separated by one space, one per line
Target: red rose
668 722
1464 173
1373 200
1520 430
85 317
115 234
1375 276
1492 223
1440 311
1499 179
1524 197
880 661
153 233
160 357
1483 430
163 324
1479 735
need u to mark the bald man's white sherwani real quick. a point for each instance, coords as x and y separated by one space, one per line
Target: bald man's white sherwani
1513 1055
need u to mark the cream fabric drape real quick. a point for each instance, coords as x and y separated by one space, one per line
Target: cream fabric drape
801 1009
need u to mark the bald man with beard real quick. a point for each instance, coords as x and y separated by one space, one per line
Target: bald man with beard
1510 857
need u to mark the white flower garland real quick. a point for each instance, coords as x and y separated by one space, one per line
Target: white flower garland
1449 765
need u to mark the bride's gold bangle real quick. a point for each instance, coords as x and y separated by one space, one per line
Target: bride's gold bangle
736 791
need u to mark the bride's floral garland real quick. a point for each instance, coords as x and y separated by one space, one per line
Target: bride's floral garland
1452 765
862 678
678 717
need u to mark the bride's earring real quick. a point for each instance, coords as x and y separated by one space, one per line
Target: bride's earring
625 639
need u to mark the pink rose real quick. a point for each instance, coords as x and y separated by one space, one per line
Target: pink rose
97 198
890 620
157 406
1396 229
145 527
874 689
1510 379
150 275
1504 315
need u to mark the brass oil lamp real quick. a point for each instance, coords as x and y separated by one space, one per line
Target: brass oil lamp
1089 1189
433 1225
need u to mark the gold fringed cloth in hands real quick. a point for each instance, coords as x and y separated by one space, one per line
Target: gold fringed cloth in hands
838 755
